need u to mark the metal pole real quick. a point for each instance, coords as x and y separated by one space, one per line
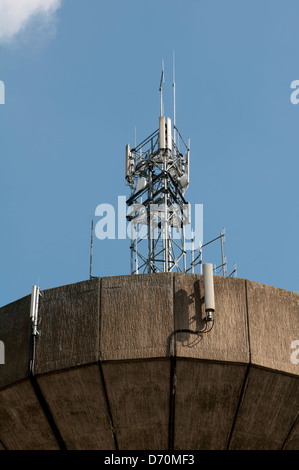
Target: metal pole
166 254
173 73
222 255
91 245
184 250
192 254
200 248
149 231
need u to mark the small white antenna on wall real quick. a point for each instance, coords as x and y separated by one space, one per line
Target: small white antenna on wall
209 290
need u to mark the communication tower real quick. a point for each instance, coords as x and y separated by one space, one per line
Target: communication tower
157 172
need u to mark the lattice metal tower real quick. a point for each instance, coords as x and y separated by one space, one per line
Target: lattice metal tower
158 175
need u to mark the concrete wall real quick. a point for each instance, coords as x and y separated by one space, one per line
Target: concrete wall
107 376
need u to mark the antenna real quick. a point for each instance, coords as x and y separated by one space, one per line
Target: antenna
222 238
173 84
158 173
160 89
209 290
91 245
34 309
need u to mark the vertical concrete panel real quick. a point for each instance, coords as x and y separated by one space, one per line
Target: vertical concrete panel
206 400
15 330
292 441
273 326
139 399
77 402
228 340
136 316
69 324
23 425
268 409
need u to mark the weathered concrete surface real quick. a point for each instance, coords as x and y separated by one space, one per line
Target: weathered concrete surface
15 334
206 399
268 409
23 425
273 325
105 377
77 402
292 441
136 316
138 393
69 326
228 340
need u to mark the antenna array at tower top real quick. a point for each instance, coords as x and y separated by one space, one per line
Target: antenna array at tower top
157 172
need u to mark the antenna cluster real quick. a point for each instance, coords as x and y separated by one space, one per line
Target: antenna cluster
158 175
157 172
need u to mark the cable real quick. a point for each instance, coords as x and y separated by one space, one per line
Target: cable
186 330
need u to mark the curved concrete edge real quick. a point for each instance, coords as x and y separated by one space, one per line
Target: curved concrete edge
15 332
152 404
273 326
105 343
132 317
23 421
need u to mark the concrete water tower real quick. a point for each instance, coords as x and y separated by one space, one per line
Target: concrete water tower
161 359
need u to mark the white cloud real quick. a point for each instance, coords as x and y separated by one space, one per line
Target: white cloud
17 15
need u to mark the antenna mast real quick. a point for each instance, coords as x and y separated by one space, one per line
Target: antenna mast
157 173
158 176
173 84
160 89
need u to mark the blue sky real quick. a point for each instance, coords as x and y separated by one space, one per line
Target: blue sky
77 84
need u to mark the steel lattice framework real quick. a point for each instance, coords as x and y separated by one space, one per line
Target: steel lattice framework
158 175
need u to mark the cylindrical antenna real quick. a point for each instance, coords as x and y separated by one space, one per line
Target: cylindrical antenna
91 244
187 165
162 137
33 303
34 309
209 290
169 136
128 157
